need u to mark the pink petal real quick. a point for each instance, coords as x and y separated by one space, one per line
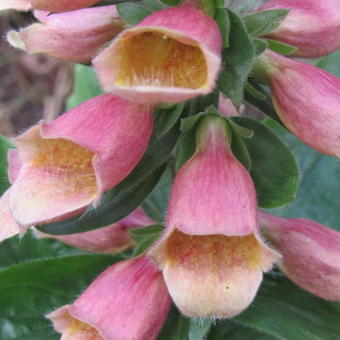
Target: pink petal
9 226
19 5
128 301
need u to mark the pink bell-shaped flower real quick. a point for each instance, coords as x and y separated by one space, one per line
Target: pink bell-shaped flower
69 163
74 36
211 255
170 56
311 25
310 253
306 98
128 301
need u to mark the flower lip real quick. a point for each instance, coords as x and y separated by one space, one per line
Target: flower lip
171 56
187 67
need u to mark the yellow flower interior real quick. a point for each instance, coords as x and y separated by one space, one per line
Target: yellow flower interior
81 330
155 59
213 253
69 162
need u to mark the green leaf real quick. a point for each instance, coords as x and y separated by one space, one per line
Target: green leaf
31 290
281 47
179 327
254 92
262 23
5 145
154 5
290 313
237 61
144 237
240 130
156 203
86 86
273 167
17 250
168 118
331 63
223 22
132 13
318 195
127 195
240 151
260 46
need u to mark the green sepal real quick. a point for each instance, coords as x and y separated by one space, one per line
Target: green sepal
262 23
132 13
237 61
280 47
145 237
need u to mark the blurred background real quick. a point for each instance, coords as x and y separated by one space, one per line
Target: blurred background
32 87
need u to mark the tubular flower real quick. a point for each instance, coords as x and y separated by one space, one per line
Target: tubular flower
171 56
128 301
69 163
306 98
310 253
111 239
75 36
211 254
312 26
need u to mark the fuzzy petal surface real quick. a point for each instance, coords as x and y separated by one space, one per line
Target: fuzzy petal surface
307 100
213 276
70 162
311 253
8 226
128 301
213 193
74 36
170 56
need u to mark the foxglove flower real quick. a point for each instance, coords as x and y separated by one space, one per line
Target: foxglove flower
310 253
313 26
69 163
306 98
170 56
128 301
111 239
74 36
211 255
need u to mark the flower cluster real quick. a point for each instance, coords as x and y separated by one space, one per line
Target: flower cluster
212 255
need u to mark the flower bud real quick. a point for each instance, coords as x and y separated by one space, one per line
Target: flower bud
128 301
306 98
108 240
310 253
171 56
211 255
69 163
312 26
74 36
